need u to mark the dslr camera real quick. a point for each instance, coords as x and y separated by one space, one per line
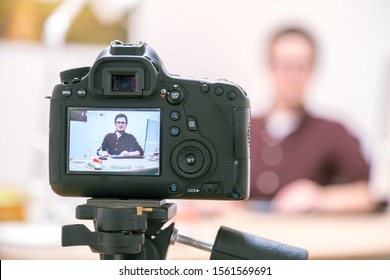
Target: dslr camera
125 128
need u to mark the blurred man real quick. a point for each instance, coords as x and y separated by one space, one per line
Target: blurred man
300 162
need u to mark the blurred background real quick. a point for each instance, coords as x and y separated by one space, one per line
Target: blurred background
214 39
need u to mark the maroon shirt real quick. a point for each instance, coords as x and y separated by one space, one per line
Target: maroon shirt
319 150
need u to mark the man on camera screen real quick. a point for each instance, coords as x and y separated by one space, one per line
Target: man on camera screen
120 143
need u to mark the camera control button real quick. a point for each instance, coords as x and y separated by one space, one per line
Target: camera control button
81 92
66 92
191 124
175 97
218 91
174 115
204 88
191 160
210 187
232 95
173 187
174 131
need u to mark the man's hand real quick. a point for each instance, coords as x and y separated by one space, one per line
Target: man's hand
302 196
298 197
130 154
103 153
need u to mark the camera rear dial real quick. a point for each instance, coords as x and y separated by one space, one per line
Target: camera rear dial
191 160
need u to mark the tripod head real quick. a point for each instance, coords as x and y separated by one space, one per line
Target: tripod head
140 229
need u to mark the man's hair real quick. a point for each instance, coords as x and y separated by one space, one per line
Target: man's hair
298 31
120 116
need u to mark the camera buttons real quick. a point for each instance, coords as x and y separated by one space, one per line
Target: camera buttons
175 96
218 91
81 92
191 160
210 188
66 92
175 115
173 187
204 88
232 95
191 124
174 131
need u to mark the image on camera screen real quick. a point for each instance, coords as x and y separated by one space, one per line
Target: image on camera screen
119 141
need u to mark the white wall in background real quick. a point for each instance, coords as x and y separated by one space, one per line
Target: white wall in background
226 39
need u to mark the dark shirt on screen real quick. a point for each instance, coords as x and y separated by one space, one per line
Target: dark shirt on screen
115 145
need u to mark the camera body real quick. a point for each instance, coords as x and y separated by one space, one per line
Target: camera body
125 128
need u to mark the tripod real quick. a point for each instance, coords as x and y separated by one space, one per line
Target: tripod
137 230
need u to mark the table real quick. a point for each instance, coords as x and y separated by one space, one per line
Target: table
353 236
116 165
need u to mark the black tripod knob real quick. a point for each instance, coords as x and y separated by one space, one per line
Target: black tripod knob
231 244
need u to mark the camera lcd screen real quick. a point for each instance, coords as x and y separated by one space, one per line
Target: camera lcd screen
123 83
119 141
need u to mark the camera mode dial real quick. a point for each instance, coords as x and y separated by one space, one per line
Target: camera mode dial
72 75
191 159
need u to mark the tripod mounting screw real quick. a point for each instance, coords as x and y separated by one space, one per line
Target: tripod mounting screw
140 210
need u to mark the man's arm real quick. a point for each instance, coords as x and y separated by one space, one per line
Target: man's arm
103 150
304 195
130 154
103 153
133 149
